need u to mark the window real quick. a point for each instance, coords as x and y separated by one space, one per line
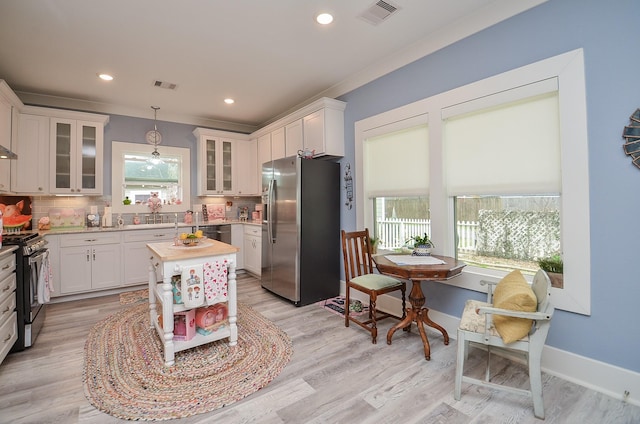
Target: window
487 145
507 232
397 219
136 174
397 184
505 144
143 175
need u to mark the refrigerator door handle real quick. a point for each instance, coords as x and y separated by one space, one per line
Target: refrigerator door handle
272 214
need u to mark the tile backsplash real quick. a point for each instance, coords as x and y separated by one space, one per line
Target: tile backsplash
42 204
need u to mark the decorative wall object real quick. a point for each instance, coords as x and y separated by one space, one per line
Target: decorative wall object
631 134
348 185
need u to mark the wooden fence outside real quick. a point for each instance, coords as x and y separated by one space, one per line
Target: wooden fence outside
394 233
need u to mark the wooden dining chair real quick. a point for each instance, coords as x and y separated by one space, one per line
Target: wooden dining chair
360 275
514 320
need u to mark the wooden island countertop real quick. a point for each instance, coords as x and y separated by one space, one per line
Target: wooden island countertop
167 251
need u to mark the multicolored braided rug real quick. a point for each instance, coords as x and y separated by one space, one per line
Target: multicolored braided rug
124 374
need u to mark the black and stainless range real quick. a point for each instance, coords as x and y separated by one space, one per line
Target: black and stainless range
30 255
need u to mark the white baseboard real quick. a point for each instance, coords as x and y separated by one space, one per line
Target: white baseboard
611 380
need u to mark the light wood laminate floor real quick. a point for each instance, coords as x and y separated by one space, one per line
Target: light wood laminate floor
336 375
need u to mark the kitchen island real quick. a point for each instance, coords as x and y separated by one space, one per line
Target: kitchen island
169 261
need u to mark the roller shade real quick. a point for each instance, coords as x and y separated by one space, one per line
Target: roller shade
397 163
510 148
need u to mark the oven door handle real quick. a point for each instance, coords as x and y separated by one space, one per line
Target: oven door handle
38 257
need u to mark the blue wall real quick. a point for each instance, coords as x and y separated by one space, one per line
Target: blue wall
133 130
609 33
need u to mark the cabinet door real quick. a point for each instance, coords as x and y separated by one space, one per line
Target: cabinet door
252 254
278 147
249 254
237 240
293 137
264 151
245 178
76 160
313 127
226 166
89 146
62 165
207 166
215 166
30 172
136 254
75 269
105 272
5 140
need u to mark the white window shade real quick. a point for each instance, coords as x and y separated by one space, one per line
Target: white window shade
513 148
397 164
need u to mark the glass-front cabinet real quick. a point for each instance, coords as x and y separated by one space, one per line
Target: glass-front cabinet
215 164
76 165
219 166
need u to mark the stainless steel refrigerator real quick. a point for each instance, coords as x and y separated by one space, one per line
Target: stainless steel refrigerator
301 229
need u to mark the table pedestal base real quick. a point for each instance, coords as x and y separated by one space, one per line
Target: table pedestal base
420 316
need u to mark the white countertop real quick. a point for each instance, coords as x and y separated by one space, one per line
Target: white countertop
144 227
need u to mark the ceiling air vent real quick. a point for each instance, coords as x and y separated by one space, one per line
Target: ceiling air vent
379 12
163 84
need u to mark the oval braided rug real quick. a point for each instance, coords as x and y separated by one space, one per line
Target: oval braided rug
124 373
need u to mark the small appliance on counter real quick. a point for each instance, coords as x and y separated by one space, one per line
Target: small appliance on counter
243 214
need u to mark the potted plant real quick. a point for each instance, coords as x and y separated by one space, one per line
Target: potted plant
554 268
374 241
422 245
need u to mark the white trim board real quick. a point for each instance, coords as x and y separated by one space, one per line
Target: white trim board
596 375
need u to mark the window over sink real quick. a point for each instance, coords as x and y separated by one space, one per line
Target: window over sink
137 174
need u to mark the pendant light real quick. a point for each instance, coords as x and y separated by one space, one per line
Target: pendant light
154 138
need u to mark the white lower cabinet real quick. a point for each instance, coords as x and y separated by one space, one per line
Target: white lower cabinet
93 261
89 262
237 240
253 249
8 315
136 254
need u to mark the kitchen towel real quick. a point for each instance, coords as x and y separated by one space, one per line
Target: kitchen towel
45 280
192 287
215 281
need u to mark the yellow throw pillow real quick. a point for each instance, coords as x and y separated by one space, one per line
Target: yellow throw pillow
513 293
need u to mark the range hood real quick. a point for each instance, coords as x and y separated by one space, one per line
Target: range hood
6 153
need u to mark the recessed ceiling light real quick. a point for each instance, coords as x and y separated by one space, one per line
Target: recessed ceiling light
105 77
324 18
229 101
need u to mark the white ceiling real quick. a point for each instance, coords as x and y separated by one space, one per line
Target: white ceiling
270 56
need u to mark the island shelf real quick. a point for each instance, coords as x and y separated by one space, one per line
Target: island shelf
168 260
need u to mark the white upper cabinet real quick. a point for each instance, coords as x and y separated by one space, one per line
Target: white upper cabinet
318 126
293 137
9 104
223 162
264 150
324 132
215 166
278 149
245 175
30 172
76 151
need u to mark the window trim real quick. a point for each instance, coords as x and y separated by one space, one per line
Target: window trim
568 68
119 148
